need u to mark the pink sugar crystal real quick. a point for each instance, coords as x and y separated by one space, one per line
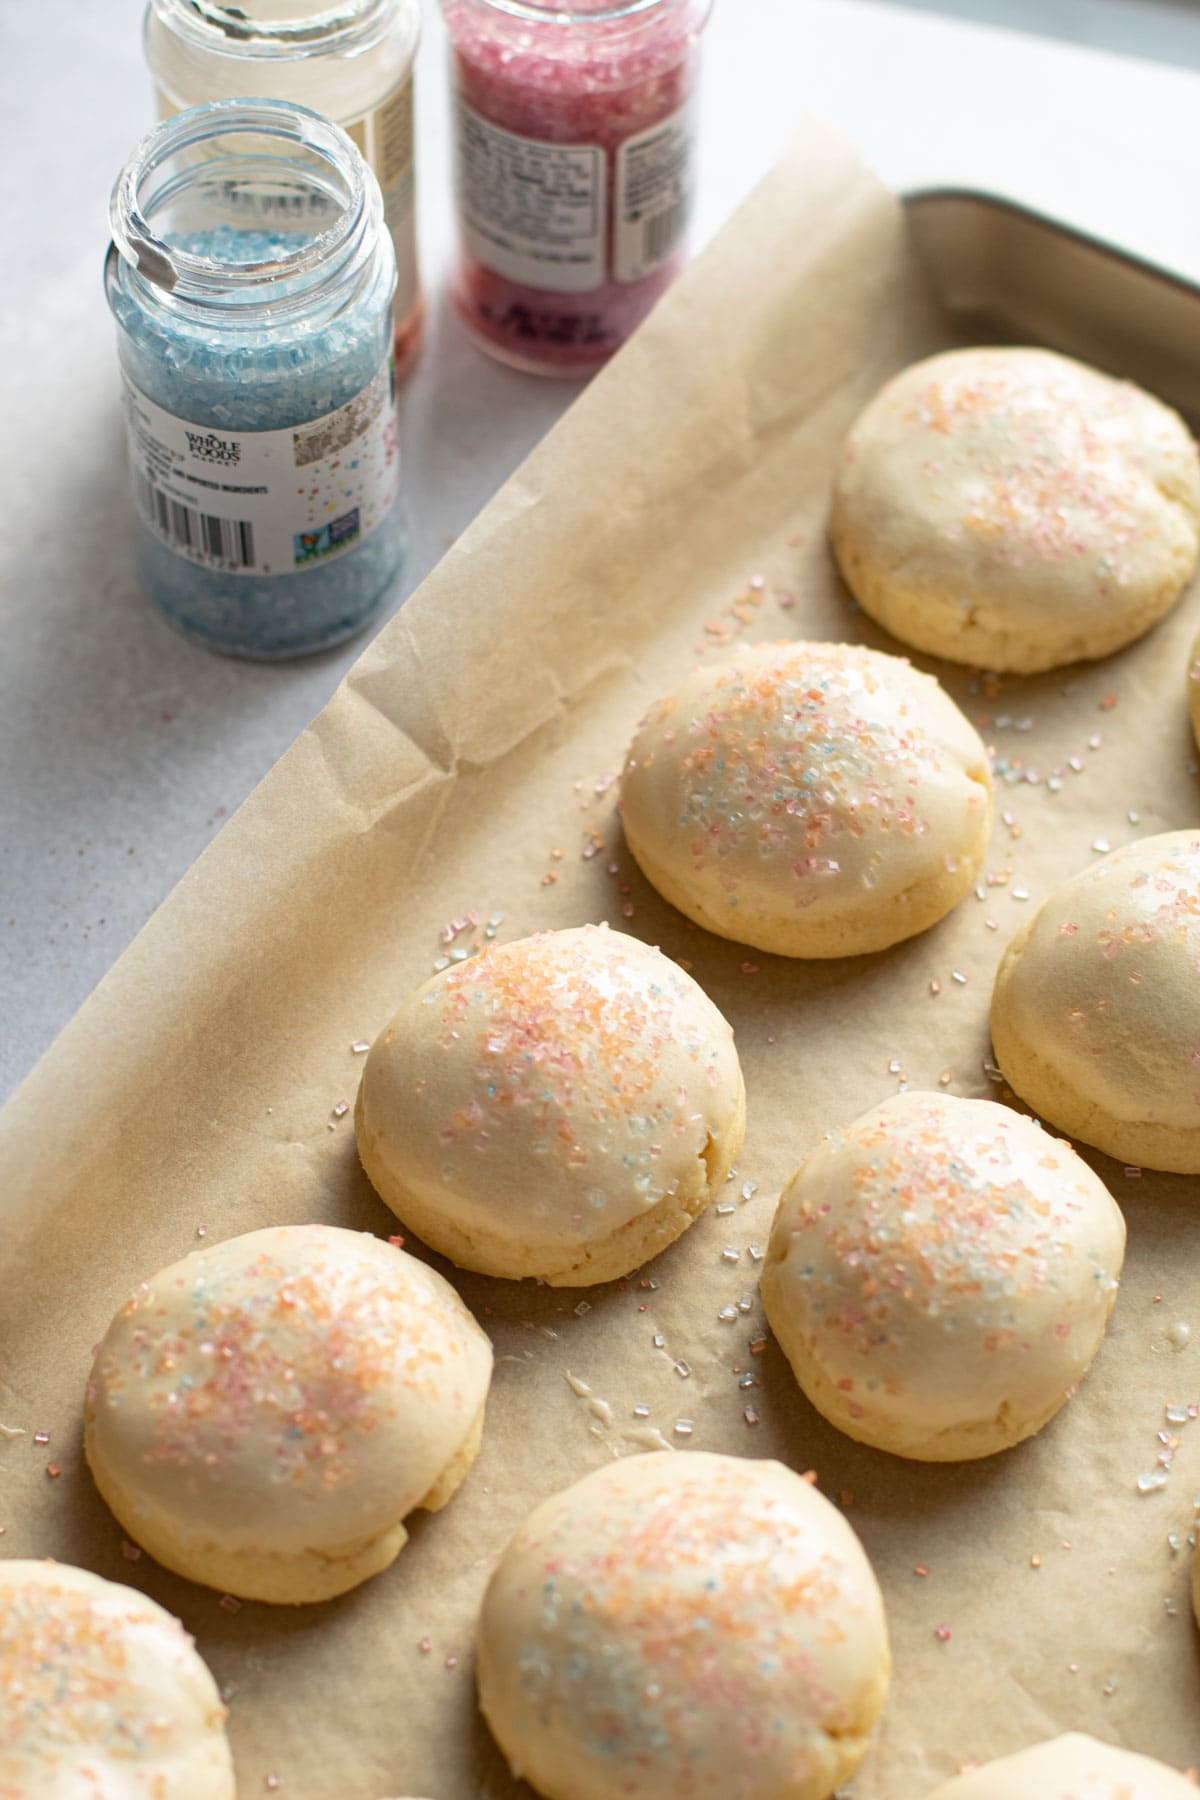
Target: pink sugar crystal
564 251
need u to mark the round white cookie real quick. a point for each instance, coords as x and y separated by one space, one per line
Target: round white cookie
1016 510
1193 688
1096 1007
263 1415
1073 1767
563 1106
683 1624
940 1275
102 1694
809 799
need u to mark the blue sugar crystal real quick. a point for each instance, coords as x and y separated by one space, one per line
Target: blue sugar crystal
260 375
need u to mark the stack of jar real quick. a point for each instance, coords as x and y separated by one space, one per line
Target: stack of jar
264 276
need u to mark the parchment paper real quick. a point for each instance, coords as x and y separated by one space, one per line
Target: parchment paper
465 765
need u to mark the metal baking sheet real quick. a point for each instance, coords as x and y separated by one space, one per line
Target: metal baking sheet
1010 274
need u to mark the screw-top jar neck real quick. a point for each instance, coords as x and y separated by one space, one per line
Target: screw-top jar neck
279 29
187 210
579 12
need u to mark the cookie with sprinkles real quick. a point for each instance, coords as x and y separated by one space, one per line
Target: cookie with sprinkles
1072 1767
1193 688
814 800
683 1624
102 1694
940 1275
264 1415
562 1106
1096 1008
1016 510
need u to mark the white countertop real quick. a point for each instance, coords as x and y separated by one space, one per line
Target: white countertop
122 746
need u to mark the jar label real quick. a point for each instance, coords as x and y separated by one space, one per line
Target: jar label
531 211
266 502
384 138
655 182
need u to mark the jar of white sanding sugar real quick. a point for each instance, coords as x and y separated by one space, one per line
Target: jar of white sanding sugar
256 354
351 60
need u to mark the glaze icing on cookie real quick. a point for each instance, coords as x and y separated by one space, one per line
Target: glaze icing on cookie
684 1624
1096 1008
809 799
940 1275
1017 510
561 1106
102 1694
263 1415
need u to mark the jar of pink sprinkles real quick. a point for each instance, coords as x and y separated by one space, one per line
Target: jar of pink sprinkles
574 132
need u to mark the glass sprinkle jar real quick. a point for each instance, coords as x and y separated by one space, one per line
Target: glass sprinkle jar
256 360
351 60
574 124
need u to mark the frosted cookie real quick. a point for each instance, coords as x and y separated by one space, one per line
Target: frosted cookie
940 1275
1096 1007
1073 1767
102 1694
1016 510
1193 688
563 1106
683 1624
263 1415
808 799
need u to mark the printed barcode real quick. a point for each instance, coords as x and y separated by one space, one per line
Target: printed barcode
229 541
661 233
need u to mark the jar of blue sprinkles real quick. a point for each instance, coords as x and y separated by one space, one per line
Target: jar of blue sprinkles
251 278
